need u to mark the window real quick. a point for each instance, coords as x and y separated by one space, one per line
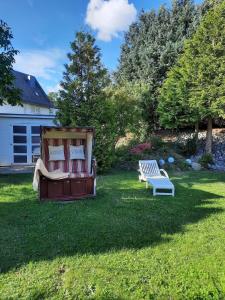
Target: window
20 159
20 149
19 129
36 150
35 109
19 139
26 143
35 139
35 129
20 144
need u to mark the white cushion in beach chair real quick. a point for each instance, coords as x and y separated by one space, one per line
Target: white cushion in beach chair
150 172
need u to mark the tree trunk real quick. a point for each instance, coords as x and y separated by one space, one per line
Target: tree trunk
196 132
208 146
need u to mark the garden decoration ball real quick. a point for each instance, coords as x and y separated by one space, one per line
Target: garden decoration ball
171 160
188 161
161 162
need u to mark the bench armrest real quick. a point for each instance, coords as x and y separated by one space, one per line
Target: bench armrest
164 172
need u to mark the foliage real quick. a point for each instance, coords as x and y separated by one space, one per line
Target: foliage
8 93
191 146
194 89
121 115
53 96
174 95
141 148
81 100
125 244
188 146
83 81
206 159
106 134
88 99
209 4
126 99
156 142
128 155
152 46
182 165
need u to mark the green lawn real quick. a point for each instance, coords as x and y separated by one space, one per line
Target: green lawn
124 244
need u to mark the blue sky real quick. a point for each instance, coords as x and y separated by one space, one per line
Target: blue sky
43 30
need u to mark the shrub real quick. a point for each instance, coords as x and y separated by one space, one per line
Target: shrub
104 149
182 165
128 155
169 167
191 146
156 142
141 148
188 147
206 159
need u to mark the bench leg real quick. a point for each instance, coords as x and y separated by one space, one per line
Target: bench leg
146 184
154 191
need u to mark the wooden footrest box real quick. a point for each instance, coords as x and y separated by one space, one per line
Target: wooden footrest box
66 189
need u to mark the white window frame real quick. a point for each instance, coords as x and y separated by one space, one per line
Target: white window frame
20 144
28 144
38 145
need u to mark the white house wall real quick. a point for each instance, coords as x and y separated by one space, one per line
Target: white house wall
6 134
27 109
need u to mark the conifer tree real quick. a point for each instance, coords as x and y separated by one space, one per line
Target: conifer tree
195 88
81 100
152 46
83 81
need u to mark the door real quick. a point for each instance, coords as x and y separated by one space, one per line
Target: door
20 149
35 143
26 144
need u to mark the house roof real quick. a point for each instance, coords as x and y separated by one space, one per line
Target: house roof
31 91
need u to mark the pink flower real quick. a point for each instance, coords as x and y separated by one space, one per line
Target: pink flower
140 148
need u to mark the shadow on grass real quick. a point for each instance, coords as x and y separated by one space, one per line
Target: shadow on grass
123 216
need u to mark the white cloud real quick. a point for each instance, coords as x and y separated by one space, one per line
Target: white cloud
40 63
54 88
110 17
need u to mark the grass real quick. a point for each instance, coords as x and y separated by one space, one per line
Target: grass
125 244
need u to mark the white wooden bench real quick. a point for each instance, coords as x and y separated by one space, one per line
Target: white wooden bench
151 174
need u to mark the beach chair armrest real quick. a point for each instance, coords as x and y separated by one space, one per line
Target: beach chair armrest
164 172
140 172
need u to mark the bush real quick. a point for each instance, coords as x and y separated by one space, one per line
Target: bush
141 148
156 142
206 159
188 147
182 165
191 146
104 149
118 113
128 155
